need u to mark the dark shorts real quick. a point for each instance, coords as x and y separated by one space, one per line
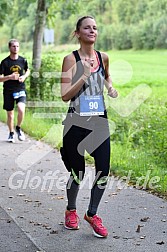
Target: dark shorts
9 101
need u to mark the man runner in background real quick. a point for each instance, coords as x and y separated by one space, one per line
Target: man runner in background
13 72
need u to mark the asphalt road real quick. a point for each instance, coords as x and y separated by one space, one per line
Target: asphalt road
33 201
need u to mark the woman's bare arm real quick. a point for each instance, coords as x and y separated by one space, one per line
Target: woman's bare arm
69 90
108 81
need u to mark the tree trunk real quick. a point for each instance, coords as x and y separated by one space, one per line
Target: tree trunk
37 48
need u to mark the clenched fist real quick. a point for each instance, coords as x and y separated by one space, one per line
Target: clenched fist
112 92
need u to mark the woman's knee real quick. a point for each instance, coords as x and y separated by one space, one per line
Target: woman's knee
77 176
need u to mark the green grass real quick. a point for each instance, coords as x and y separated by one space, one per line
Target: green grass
139 143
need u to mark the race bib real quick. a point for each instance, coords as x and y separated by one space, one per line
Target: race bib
91 105
17 95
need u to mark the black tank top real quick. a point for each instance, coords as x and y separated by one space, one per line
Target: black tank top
94 84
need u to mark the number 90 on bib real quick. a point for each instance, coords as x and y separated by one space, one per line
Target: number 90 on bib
91 105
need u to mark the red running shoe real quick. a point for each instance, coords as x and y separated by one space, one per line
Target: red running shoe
71 220
96 223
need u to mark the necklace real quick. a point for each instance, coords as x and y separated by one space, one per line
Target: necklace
89 59
92 60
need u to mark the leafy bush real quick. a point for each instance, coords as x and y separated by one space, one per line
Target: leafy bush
113 37
104 41
160 30
49 78
121 37
66 32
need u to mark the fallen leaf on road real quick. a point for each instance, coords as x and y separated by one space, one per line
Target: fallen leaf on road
37 224
114 193
45 225
145 219
27 200
138 228
60 197
116 237
128 238
54 232
7 220
10 209
142 237
160 243
48 228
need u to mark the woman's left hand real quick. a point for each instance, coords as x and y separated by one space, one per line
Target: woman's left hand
112 92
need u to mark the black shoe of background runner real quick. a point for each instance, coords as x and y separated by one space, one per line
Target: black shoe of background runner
11 137
20 134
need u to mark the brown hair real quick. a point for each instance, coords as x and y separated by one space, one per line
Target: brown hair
11 41
79 22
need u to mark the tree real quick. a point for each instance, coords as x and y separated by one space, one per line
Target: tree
37 45
41 16
13 13
4 10
38 34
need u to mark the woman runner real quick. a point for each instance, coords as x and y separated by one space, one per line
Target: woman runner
84 74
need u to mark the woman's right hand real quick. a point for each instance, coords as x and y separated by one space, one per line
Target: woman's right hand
87 67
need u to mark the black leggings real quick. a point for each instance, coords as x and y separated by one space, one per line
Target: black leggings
92 136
